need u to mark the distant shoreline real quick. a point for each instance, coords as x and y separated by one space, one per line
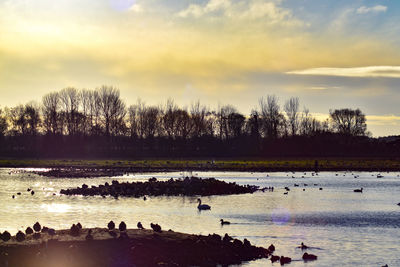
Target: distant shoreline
97 167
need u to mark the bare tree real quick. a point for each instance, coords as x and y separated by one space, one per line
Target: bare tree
271 117
70 99
3 124
32 118
50 111
292 113
348 121
112 108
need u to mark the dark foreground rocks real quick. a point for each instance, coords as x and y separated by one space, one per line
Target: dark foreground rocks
187 187
133 247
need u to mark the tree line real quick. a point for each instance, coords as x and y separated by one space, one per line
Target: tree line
98 122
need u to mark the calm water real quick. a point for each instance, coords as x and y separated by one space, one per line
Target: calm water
346 228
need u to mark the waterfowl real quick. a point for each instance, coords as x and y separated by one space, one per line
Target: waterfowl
274 258
32 192
309 257
284 260
28 231
74 230
271 248
302 246
6 236
155 227
20 236
122 226
202 206
139 225
37 227
111 225
358 190
79 225
224 222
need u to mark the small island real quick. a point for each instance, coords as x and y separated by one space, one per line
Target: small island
190 186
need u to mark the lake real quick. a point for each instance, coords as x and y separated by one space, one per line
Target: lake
343 227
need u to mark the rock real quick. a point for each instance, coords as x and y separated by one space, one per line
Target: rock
51 231
36 235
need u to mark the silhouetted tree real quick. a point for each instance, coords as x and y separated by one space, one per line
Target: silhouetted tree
348 121
271 117
292 113
51 113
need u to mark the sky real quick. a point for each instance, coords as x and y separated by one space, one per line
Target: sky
330 54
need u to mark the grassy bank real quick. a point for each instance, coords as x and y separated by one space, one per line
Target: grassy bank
323 164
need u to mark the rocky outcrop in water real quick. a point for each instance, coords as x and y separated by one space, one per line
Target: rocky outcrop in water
187 187
133 247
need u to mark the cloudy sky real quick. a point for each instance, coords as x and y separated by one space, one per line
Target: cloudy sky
331 54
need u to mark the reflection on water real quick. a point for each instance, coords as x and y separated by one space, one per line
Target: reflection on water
350 229
54 207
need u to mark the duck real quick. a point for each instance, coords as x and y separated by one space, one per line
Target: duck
28 231
358 190
309 257
155 227
224 222
37 227
20 236
122 226
6 236
202 206
302 246
111 225
274 258
139 225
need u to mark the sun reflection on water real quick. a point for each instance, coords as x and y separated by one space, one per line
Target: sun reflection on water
56 207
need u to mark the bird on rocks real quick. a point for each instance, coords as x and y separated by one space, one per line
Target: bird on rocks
122 226
20 236
274 258
155 227
79 225
224 222
6 236
45 229
271 248
227 238
28 231
139 225
37 227
32 192
111 225
74 230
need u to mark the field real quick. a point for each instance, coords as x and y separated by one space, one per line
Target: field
315 164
